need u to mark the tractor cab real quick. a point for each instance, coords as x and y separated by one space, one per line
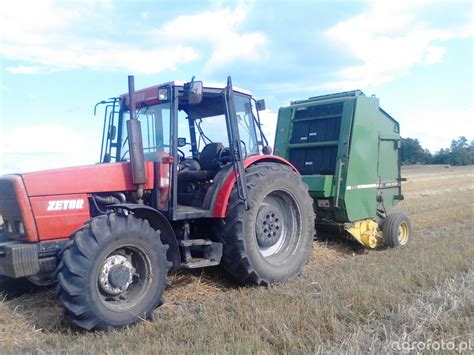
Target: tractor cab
194 134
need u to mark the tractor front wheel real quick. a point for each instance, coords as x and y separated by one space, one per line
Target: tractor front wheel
113 274
272 240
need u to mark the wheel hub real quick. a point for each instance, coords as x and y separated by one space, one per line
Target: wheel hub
116 274
119 276
403 234
268 227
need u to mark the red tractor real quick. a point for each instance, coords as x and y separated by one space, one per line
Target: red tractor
186 179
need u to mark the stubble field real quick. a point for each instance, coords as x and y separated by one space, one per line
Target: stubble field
347 299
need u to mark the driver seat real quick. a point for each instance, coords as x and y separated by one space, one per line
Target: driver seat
208 162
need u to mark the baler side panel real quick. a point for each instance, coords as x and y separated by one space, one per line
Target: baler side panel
340 178
388 168
361 182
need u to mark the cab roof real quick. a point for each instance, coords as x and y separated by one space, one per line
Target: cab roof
150 94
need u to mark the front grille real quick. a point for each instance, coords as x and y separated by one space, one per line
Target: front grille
10 211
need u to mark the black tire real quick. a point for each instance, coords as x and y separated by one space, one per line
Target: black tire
396 230
16 287
271 242
43 280
113 273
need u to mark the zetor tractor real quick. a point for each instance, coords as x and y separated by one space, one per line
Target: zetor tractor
186 180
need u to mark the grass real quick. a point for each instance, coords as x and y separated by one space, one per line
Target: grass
348 299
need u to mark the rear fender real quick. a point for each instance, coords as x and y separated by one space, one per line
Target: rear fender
157 221
222 194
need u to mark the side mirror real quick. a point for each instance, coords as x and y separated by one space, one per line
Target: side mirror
195 92
112 133
261 105
181 142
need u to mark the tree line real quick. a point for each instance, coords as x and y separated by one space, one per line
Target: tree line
461 152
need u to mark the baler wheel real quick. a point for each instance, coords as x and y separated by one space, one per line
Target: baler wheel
272 240
113 273
396 230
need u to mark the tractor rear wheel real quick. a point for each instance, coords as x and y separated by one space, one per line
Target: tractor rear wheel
272 240
113 273
396 230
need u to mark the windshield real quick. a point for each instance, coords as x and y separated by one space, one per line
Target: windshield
155 125
211 125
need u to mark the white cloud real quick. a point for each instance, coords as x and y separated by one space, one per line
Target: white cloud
387 40
219 28
50 36
431 127
48 146
47 37
23 69
434 55
269 119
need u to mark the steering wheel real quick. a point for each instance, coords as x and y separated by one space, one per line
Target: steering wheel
182 155
223 157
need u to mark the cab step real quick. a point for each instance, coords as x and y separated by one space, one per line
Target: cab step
197 253
195 263
193 242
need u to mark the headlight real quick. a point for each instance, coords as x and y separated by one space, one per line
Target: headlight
9 227
15 228
20 228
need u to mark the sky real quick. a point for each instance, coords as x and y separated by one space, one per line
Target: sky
59 58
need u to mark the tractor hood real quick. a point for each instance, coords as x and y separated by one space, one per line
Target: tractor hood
107 177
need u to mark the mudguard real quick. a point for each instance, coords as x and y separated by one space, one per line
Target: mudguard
222 194
157 220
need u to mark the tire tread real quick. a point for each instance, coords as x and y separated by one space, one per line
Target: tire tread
230 230
77 258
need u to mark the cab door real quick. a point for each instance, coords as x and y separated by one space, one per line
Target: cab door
234 141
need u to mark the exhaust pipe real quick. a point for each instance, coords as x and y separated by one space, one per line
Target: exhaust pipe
137 158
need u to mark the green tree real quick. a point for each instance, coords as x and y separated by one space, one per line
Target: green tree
471 152
442 157
412 152
460 152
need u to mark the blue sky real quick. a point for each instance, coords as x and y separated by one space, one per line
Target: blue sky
59 58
